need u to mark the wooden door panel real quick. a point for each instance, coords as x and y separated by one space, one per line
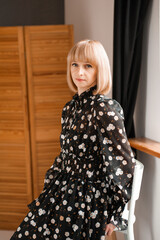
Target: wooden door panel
15 162
46 50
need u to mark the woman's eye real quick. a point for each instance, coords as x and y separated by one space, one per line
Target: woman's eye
89 66
74 64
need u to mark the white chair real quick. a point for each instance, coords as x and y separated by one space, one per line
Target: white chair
128 212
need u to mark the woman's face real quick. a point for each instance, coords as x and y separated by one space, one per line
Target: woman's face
84 75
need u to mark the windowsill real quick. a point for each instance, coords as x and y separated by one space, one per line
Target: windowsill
146 145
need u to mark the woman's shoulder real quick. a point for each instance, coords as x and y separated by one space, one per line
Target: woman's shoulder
67 105
108 104
108 101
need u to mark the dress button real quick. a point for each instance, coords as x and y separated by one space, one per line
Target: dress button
37 203
61 218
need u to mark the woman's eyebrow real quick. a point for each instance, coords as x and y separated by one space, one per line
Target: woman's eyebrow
88 63
82 62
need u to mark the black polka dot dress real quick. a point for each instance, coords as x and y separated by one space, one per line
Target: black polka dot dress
90 180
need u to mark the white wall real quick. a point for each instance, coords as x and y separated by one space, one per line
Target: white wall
147 119
92 19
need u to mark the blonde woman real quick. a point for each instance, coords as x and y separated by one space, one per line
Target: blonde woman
90 181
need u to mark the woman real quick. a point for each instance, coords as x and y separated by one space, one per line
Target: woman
89 183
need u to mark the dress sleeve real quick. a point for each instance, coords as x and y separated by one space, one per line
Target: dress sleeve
118 157
53 170
57 164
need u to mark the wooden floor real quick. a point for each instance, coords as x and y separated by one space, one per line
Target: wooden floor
5 235
113 237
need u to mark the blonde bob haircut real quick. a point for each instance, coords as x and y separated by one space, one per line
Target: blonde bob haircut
91 51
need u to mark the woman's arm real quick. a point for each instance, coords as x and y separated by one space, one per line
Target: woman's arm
117 156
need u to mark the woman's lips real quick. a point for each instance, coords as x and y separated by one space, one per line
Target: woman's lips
79 79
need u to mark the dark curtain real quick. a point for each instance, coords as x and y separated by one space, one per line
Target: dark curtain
129 20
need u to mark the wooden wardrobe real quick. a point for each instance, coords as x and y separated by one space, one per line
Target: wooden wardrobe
33 90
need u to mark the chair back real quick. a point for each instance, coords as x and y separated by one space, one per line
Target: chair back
129 210
137 180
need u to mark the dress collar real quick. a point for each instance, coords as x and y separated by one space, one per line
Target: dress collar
84 94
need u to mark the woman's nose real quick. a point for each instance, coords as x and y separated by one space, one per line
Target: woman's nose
81 71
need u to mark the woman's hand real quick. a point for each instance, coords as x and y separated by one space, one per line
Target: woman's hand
109 229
